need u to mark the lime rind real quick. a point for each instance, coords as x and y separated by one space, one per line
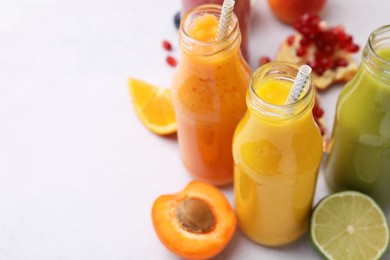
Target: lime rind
338 211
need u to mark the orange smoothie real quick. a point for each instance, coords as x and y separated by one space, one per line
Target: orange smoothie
208 92
277 151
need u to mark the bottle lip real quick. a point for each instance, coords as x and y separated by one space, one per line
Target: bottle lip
206 48
379 39
280 71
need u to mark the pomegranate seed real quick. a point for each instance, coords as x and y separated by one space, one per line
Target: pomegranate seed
301 51
345 40
348 39
340 62
323 59
318 112
314 20
353 48
319 70
313 64
320 44
171 61
327 63
166 45
290 40
307 24
329 38
304 42
339 29
263 60
328 50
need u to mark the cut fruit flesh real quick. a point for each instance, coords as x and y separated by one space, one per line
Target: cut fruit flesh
349 225
153 106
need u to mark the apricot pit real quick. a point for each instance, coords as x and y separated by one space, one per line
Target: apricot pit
195 215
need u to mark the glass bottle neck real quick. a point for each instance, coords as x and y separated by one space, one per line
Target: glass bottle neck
376 54
278 71
192 46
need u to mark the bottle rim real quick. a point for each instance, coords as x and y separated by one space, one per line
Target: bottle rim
280 71
201 47
379 39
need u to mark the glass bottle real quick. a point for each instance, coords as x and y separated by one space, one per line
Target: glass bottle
277 152
242 9
208 91
359 158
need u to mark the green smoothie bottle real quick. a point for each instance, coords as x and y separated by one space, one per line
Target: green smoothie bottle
360 148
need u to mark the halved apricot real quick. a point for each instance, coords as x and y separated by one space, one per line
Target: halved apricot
196 223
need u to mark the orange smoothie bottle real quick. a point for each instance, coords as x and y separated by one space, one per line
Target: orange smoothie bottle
277 151
208 92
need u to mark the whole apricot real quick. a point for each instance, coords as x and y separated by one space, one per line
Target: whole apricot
289 10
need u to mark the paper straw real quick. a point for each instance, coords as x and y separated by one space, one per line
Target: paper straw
299 84
225 18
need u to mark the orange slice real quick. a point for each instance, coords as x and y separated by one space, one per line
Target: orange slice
153 106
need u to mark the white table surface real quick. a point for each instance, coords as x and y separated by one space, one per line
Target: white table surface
78 171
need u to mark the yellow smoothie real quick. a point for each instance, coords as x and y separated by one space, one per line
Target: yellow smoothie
276 166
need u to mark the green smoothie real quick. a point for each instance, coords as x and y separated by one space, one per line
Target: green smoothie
360 154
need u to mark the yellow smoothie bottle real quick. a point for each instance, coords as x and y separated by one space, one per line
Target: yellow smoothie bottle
277 152
208 92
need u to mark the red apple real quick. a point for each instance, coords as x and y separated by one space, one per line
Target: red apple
289 10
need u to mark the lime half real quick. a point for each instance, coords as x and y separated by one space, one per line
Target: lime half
349 225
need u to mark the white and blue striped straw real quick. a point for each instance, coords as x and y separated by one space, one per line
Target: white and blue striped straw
225 18
299 84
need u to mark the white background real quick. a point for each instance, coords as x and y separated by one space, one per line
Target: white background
78 171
